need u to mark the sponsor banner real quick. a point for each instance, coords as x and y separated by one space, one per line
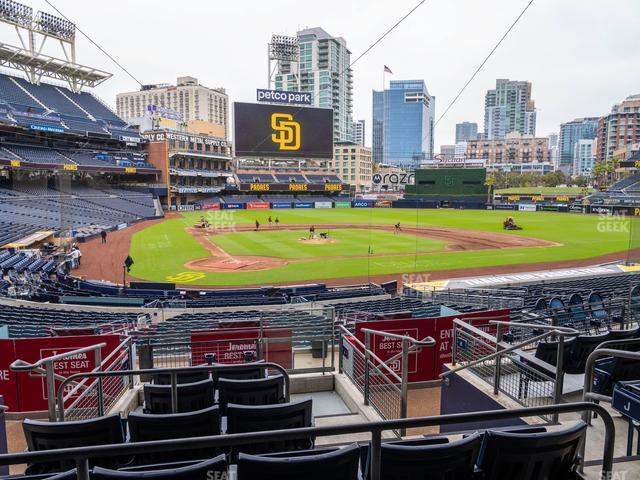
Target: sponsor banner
280 204
257 205
393 178
184 137
282 131
501 206
47 128
303 205
383 203
230 344
258 187
298 187
333 187
601 210
577 208
122 226
210 206
186 208
342 204
69 167
527 207
362 203
277 96
128 139
129 170
489 206
290 187
233 206
323 204
14 163
548 208
8 379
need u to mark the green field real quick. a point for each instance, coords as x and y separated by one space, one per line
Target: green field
161 250
349 241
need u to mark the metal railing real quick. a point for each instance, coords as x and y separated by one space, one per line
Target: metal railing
487 298
45 367
173 374
509 368
82 455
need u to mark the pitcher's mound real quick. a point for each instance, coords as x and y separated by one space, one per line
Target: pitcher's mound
317 241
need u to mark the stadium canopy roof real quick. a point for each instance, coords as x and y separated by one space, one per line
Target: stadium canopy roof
37 65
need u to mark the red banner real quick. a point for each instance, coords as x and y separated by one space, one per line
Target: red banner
32 389
8 382
426 364
210 206
258 205
229 345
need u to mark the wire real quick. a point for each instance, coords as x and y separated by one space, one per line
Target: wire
95 43
483 62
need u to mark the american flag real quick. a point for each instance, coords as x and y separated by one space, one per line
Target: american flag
387 70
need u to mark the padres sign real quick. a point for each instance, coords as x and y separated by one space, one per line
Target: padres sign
283 131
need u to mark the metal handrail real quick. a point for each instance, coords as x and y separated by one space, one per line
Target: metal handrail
561 331
174 371
371 354
81 455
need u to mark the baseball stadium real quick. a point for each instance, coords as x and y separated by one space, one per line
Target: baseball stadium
179 301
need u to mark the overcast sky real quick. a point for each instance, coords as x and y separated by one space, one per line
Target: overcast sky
582 56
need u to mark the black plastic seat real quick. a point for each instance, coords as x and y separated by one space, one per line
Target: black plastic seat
147 427
266 391
52 436
538 456
610 370
580 351
340 464
183 377
207 470
191 397
257 418
443 461
548 353
248 372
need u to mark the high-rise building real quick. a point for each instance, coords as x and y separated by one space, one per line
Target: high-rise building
570 133
466 131
403 117
323 70
188 98
509 108
619 128
359 132
584 157
553 149
352 163
514 153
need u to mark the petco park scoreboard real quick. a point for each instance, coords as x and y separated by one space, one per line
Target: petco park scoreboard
263 130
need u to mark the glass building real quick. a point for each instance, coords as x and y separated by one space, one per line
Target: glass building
570 134
403 117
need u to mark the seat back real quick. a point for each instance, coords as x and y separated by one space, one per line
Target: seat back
596 306
207 470
341 464
455 460
191 397
257 418
541 304
52 436
183 377
548 351
265 391
147 427
549 456
250 372
581 349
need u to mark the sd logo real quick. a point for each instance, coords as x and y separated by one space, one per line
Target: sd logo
286 131
185 277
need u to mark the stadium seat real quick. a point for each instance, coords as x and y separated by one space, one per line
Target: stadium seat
191 397
340 464
580 351
609 370
248 372
52 436
146 427
184 377
267 391
550 455
257 418
199 471
547 351
437 461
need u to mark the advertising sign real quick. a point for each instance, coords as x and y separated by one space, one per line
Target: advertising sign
280 204
500 206
277 96
323 204
342 204
290 187
383 203
8 382
282 131
47 128
303 205
230 344
233 206
527 207
548 208
257 205
362 203
210 206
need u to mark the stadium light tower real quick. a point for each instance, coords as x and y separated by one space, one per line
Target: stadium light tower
284 56
33 32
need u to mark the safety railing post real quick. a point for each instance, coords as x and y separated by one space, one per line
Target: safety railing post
557 393
376 447
51 390
174 392
498 365
454 347
100 393
367 372
404 388
82 468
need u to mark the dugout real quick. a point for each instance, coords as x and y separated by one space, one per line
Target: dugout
451 187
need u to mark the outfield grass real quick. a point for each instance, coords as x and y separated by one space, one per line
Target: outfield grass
348 241
545 190
161 250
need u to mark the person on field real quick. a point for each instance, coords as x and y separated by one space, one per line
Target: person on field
312 232
257 225
103 236
277 221
397 229
270 221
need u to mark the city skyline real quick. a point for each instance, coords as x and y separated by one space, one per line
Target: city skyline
447 59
